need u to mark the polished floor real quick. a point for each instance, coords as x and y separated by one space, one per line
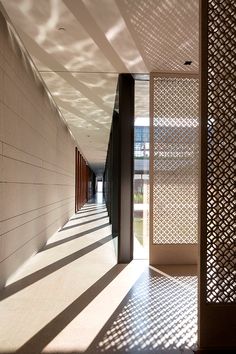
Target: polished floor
72 297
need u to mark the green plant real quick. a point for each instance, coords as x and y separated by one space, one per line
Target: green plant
138 198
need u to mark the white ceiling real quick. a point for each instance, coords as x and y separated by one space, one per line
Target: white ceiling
80 47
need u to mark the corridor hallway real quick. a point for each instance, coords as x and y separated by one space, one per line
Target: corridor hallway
72 297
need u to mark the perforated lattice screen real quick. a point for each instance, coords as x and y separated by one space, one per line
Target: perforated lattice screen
221 172
175 161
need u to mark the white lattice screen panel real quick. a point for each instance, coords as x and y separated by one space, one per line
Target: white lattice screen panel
221 142
175 160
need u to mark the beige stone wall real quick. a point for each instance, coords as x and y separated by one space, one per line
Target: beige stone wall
36 159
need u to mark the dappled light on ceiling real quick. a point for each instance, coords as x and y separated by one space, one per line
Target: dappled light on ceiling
116 32
80 47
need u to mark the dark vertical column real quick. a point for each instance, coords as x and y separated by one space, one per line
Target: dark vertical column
94 184
83 179
109 167
80 180
126 128
87 182
116 175
217 300
203 181
76 179
111 164
82 184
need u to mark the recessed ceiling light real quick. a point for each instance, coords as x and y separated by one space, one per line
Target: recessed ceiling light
61 29
188 62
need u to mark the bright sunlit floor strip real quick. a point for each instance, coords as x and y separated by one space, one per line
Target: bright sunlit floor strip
72 298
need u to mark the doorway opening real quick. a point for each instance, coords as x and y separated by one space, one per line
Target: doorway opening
99 186
99 190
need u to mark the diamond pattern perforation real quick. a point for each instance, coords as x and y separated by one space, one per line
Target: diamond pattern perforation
175 163
221 199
